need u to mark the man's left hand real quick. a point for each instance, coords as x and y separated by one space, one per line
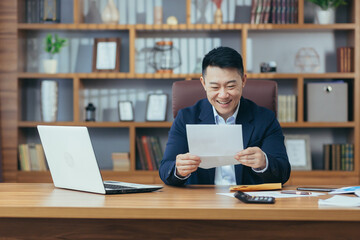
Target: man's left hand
252 157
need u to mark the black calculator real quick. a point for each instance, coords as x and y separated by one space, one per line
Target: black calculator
246 198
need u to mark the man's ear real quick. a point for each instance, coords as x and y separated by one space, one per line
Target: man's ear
244 79
202 80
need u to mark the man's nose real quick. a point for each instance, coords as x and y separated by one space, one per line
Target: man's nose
223 92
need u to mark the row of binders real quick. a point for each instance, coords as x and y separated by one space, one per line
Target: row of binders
274 11
345 59
32 158
149 151
287 108
338 157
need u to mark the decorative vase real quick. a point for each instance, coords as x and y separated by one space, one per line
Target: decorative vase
93 15
201 5
324 16
50 65
158 15
49 100
110 14
218 16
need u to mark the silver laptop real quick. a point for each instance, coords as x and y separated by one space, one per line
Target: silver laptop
72 163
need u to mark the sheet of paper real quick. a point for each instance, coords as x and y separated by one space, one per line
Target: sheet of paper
275 194
340 201
216 145
357 192
351 189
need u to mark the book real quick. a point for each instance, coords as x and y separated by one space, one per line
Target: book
121 161
326 156
152 152
34 163
142 164
147 153
253 11
258 11
41 157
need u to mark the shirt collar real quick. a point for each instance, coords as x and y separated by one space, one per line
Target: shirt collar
230 120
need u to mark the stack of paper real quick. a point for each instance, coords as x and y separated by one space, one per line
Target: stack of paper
340 201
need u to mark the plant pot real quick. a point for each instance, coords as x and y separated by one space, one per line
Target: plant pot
50 65
49 100
324 16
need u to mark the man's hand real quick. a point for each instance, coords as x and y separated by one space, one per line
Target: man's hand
252 157
186 164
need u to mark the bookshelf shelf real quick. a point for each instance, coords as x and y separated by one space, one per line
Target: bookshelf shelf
109 75
25 124
318 125
299 75
129 176
186 27
80 81
25 75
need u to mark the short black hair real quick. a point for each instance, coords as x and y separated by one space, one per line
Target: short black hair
223 57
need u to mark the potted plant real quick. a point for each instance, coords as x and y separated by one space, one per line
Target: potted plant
325 10
53 46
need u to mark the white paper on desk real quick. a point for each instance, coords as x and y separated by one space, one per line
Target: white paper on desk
216 145
342 190
340 201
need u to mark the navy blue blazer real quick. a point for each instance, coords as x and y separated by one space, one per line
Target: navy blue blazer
260 128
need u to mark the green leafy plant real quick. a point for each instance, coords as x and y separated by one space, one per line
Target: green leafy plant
326 4
54 44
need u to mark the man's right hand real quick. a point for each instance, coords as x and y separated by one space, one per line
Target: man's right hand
186 164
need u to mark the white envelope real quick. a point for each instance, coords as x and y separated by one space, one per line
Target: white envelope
216 145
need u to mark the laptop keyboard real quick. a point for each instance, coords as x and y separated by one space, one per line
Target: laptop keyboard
116 187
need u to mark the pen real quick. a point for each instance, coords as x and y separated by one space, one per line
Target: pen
295 192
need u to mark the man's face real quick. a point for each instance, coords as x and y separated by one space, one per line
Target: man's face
223 88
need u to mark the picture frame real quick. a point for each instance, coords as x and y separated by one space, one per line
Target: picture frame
156 107
298 150
106 55
126 111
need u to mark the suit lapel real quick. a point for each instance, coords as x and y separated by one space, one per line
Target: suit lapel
244 118
206 115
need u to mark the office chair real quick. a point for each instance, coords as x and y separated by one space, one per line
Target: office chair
187 93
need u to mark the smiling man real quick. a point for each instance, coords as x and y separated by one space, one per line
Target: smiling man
264 158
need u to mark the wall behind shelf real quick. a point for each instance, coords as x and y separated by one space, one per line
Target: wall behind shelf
77 55
104 141
282 47
319 137
31 100
105 94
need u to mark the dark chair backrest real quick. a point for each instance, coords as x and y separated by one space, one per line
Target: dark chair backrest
187 93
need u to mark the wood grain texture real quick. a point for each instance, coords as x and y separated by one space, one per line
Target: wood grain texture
8 85
173 229
186 203
196 212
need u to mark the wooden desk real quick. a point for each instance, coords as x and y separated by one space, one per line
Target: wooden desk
38 211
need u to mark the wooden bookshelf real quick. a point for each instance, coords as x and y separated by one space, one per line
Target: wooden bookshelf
12 75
